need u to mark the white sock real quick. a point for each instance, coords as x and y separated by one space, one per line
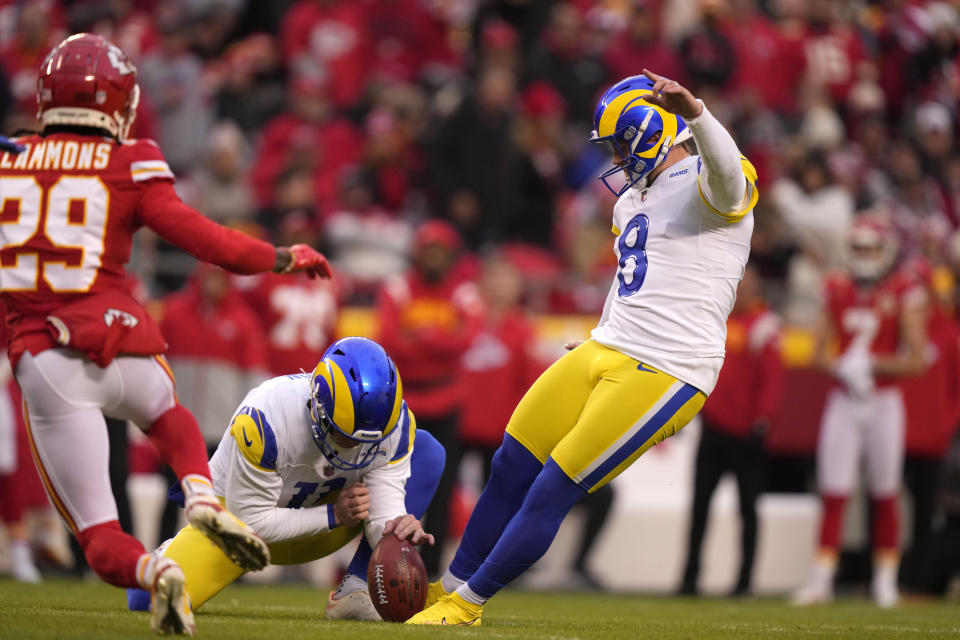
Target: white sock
349 584
450 582
21 561
196 485
465 592
885 573
824 570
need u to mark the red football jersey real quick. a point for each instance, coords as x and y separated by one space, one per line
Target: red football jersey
297 315
870 317
69 206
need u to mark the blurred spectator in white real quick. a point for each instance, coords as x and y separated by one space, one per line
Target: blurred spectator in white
820 125
172 79
311 136
218 187
368 242
335 36
818 214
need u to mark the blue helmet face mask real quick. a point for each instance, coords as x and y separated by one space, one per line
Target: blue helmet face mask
639 134
356 396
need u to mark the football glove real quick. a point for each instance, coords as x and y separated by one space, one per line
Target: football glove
304 258
855 370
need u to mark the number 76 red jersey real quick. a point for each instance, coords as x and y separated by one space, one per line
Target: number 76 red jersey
69 206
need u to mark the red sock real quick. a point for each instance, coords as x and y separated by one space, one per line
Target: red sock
112 553
886 523
179 442
832 522
11 507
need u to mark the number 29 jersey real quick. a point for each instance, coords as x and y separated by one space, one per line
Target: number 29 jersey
69 212
69 206
679 264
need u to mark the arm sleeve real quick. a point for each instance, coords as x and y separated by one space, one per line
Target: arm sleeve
726 179
252 496
161 209
387 486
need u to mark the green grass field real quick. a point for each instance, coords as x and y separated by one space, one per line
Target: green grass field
65 609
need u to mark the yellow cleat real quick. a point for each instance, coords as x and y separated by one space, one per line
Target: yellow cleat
452 610
435 593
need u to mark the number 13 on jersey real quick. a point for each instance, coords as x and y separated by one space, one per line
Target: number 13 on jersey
632 255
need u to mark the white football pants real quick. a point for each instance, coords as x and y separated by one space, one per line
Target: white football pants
65 397
871 427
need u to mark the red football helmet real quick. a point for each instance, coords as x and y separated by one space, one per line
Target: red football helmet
88 81
874 247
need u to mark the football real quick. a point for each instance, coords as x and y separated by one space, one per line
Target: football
397 579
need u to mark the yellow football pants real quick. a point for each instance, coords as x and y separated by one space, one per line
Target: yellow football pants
596 410
208 570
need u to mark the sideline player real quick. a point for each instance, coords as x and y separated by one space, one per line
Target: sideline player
313 460
682 225
879 316
80 345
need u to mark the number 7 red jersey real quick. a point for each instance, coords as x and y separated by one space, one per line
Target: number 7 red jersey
69 206
870 317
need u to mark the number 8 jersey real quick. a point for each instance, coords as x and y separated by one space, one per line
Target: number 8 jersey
69 205
679 263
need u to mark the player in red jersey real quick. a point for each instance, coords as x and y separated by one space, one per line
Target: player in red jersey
80 345
878 316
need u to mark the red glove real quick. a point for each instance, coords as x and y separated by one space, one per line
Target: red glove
304 258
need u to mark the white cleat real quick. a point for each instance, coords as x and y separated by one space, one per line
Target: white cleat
885 593
356 605
22 565
811 594
241 543
170 610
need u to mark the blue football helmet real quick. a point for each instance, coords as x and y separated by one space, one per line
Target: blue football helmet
356 392
640 133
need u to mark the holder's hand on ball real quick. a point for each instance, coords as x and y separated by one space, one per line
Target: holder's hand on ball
408 527
352 505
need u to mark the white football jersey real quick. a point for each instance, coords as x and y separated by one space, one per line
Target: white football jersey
679 263
274 477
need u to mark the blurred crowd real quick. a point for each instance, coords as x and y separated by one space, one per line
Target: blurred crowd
437 151
360 120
